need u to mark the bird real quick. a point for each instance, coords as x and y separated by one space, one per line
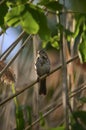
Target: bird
42 66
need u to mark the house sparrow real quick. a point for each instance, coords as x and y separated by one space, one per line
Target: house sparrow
42 67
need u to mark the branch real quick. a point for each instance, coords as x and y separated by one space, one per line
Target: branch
27 87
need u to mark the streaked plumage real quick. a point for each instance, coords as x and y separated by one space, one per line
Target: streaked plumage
42 67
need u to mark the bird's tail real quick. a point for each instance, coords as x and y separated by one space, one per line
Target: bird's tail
42 88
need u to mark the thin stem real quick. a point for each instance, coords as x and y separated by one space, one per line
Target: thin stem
15 98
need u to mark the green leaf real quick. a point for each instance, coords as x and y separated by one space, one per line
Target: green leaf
82 51
44 31
81 115
77 126
28 23
29 114
79 23
40 18
3 11
68 34
13 16
15 98
19 119
52 5
54 42
31 18
21 16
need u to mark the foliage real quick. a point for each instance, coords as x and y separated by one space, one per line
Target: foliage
29 114
20 123
82 48
80 32
81 116
33 20
3 11
53 42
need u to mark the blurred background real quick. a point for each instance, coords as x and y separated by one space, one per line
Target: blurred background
23 71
